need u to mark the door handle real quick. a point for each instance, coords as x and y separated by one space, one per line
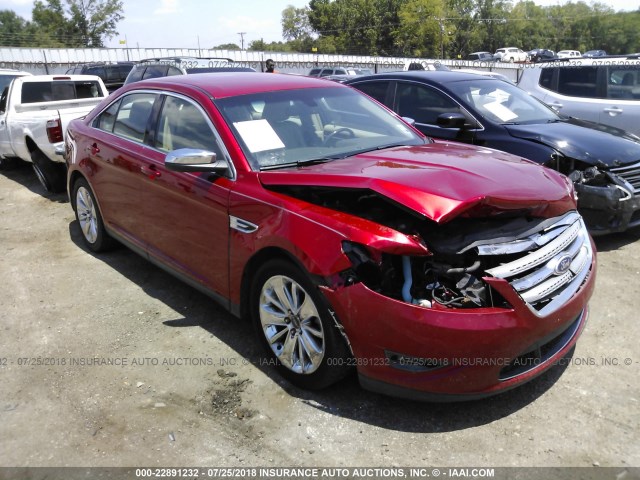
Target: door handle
94 149
613 111
151 171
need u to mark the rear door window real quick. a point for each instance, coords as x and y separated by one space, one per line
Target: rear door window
377 90
546 78
423 104
578 82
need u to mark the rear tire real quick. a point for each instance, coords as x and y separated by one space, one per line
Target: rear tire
295 326
89 218
51 175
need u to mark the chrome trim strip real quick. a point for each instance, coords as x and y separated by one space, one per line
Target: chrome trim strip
564 296
547 270
539 256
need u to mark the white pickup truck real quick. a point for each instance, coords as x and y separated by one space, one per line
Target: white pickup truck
34 114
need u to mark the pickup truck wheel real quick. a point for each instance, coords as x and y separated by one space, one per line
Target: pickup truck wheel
296 328
89 218
52 175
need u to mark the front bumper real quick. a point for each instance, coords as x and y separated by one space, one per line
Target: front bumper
607 210
453 354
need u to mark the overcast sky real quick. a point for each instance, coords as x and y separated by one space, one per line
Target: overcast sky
204 24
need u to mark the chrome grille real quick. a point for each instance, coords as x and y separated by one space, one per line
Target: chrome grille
554 267
631 173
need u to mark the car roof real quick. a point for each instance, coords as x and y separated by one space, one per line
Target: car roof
428 76
180 59
228 84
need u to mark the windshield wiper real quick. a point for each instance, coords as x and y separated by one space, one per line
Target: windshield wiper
315 161
299 163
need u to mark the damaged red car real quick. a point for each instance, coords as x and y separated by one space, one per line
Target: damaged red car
436 270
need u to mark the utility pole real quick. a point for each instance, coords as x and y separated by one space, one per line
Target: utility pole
242 34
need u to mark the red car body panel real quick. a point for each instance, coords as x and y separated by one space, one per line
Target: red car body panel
434 186
181 220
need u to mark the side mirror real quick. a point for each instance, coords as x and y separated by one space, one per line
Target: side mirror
194 160
451 120
410 121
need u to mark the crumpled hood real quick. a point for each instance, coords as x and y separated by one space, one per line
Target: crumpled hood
593 143
440 180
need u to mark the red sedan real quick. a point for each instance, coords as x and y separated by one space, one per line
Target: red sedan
436 270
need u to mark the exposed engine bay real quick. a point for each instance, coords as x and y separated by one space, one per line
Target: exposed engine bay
459 253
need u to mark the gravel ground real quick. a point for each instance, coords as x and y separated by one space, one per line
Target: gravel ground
186 387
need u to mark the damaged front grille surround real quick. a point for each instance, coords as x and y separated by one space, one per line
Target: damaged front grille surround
631 174
546 278
546 268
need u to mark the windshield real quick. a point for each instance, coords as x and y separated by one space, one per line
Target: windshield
284 128
502 102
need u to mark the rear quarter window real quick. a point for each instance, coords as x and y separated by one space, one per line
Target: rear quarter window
623 82
133 116
155 71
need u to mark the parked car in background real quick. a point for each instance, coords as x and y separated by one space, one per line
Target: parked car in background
169 66
605 93
486 73
334 71
113 75
347 237
602 162
510 54
343 77
594 53
34 113
569 54
540 55
424 65
482 57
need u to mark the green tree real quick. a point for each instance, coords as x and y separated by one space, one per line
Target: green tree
227 46
295 24
12 29
367 27
461 28
94 20
423 26
49 26
262 46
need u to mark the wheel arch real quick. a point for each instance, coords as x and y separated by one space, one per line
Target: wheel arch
32 146
253 265
74 176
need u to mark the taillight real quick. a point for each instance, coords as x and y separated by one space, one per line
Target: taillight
54 131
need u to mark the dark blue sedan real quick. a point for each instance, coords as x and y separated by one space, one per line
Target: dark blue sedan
603 162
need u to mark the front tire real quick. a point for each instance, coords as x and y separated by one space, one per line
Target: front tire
51 175
296 328
89 218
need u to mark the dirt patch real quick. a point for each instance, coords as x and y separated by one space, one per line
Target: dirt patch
179 382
